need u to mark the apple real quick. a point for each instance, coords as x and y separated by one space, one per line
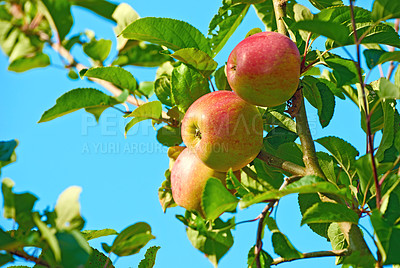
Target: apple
264 69
188 179
223 130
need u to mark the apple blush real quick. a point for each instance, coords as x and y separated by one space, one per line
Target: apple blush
264 69
223 130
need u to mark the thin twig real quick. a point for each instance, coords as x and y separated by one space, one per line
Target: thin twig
261 217
316 254
107 85
389 171
26 256
370 143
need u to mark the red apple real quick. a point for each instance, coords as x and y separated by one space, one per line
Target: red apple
223 130
188 179
264 69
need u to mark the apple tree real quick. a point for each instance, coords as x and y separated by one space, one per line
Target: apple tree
268 153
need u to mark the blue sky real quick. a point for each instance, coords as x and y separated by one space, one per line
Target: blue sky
120 176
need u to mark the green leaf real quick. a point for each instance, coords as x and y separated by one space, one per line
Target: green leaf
265 259
58 13
386 89
397 77
29 62
327 165
116 75
220 79
224 24
150 110
7 242
6 258
233 184
124 15
146 88
321 97
141 54
18 206
385 9
389 109
308 184
187 86
388 237
265 12
375 57
329 212
271 176
98 259
344 71
272 117
162 88
281 243
169 136
149 258
16 43
165 192
75 251
93 234
173 34
197 59
214 242
49 236
377 33
98 49
101 7
77 99
131 239
7 152
337 238
279 136
216 199
329 29
68 209
321 4
305 202
344 153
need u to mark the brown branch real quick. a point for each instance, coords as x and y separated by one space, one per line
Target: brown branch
107 85
370 142
286 166
316 254
26 256
307 143
261 217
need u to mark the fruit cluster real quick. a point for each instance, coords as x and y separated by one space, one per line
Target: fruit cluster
224 130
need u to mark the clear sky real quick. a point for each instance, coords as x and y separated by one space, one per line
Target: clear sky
120 176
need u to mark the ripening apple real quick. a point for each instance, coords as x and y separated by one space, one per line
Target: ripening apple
223 130
264 69
188 179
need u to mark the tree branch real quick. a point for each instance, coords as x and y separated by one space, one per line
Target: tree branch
307 144
316 254
107 85
286 166
261 217
26 256
370 143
